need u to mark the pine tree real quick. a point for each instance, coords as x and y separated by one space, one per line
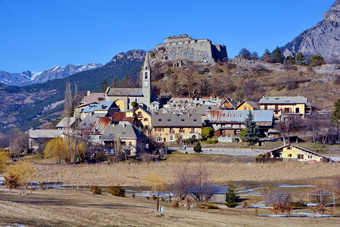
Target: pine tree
198 147
231 197
278 56
252 132
300 58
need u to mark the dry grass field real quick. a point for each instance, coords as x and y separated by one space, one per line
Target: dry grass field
134 174
77 208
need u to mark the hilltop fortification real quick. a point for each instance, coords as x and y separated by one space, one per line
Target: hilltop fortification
186 48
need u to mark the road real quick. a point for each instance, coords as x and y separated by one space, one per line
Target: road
223 151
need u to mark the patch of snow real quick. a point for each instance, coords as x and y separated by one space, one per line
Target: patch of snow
35 75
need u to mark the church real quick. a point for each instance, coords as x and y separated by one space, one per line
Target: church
123 97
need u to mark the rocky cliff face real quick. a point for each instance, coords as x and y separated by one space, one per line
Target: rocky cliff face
322 39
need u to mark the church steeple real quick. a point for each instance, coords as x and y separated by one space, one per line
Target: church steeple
146 80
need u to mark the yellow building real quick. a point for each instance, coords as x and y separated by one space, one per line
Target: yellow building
248 105
174 127
292 152
144 117
286 106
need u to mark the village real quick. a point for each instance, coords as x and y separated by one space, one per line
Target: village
136 122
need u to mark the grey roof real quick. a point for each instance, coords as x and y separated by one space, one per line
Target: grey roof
124 92
176 120
66 122
202 110
304 149
122 131
104 105
89 120
251 103
261 117
283 100
44 133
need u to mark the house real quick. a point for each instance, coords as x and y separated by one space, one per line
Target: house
248 105
144 117
92 98
38 137
295 153
174 127
231 122
132 140
286 106
228 104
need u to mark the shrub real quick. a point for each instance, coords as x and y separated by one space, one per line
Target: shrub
211 141
154 197
207 206
117 191
133 195
95 190
175 204
11 181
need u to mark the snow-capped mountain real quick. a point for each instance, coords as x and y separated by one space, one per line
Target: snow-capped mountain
29 77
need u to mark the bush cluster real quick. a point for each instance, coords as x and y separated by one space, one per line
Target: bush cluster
95 190
117 191
207 206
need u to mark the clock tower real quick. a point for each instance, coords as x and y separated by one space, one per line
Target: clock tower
146 81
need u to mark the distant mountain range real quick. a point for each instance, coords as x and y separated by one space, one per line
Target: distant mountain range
29 77
322 39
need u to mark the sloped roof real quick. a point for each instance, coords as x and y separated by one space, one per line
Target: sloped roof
102 106
251 103
124 92
44 133
176 120
93 97
202 110
121 116
303 149
283 100
261 117
66 122
232 102
122 131
89 120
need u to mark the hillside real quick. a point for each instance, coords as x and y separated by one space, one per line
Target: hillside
249 79
21 106
322 39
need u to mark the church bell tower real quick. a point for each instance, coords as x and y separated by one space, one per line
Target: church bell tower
146 81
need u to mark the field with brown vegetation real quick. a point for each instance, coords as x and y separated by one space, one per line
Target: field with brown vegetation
222 171
77 208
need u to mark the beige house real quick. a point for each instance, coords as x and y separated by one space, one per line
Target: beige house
295 153
248 105
174 127
285 106
144 117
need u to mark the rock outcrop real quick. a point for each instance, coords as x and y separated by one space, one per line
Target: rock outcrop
322 39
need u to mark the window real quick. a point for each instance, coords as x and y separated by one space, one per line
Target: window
310 156
172 137
181 129
146 75
289 148
139 113
297 110
300 156
159 119
192 130
287 110
195 119
172 130
159 139
289 155
182 119
145 119
169 119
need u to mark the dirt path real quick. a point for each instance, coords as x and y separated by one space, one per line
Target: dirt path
74 208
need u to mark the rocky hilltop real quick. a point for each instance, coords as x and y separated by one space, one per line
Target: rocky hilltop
322 39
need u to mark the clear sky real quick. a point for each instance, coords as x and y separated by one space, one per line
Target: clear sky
39 34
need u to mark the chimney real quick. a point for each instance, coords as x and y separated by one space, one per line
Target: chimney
88 93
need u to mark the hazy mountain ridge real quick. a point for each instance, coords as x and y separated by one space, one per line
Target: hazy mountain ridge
29 106
29 77
322 39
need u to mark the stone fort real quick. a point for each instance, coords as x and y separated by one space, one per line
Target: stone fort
184 47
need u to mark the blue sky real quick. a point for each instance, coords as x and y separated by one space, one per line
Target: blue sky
39 34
